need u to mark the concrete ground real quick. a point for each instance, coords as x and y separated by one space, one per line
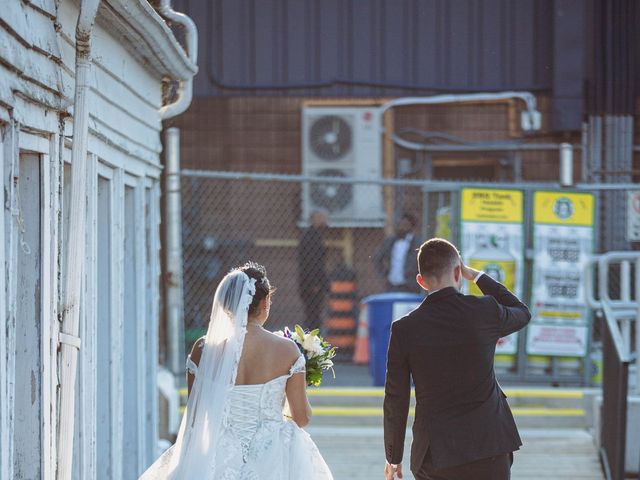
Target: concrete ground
357 453
554 424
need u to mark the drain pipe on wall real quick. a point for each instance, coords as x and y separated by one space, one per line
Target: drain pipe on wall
69 340
174 284
185 90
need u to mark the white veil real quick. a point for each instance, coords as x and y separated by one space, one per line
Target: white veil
201 426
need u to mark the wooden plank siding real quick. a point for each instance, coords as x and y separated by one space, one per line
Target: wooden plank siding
37 67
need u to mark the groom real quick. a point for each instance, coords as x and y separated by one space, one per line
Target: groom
463 427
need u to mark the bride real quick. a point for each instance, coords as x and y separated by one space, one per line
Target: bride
238 375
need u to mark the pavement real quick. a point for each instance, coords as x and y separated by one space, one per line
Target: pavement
554 424
356 453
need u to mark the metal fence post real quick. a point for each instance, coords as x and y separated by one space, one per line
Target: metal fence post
174 277
637 300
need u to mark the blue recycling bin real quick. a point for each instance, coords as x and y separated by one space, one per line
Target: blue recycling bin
383 309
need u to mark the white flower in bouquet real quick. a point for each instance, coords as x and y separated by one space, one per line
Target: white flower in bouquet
313 345
325 364
295 337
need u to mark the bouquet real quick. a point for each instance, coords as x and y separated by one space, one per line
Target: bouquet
317 352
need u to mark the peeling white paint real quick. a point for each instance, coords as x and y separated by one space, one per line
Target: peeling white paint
36 86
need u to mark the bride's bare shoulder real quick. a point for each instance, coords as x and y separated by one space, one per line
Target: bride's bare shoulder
286 346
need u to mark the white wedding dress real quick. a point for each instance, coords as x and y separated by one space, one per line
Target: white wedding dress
236 432
258 443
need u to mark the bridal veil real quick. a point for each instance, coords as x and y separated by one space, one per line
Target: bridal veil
194 451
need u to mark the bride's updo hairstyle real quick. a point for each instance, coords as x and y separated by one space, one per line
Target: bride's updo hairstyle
263 286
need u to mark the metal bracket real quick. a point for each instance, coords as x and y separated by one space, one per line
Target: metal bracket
69 340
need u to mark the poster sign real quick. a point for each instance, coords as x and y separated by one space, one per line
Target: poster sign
633 216
563 238
569 341
492 241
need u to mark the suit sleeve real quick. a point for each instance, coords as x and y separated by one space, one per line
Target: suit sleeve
397 395
513 315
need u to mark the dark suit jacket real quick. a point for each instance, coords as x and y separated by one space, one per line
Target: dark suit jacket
382 259
447 345
312 255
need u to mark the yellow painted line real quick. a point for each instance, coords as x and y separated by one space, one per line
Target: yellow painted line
544 393
379 392
547 412
348 412
377 412
346 392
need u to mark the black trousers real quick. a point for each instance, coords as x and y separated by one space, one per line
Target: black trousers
492 468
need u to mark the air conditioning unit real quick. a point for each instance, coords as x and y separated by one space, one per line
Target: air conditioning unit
342 142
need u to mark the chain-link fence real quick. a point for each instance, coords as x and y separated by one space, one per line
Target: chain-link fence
322 274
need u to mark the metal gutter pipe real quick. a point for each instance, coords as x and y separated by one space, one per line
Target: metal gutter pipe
174 275
185 90
68 338
173 201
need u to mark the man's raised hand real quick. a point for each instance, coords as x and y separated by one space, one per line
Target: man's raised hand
469 273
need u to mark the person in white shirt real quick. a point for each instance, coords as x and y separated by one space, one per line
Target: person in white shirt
395 259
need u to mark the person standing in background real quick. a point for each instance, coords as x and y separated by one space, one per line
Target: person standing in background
395 260
313 281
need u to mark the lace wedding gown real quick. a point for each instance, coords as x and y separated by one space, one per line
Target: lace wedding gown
257 442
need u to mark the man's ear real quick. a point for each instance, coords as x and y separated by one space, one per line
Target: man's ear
457 272
421 282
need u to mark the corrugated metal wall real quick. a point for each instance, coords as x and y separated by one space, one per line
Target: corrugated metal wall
387 48
372 47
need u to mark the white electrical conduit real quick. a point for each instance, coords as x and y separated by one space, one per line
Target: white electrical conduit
528 98
185 90
68 339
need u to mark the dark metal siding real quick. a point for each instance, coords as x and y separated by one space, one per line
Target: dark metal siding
371 47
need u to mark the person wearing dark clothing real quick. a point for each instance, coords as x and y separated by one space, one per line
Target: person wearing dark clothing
463 427
313 282
395 260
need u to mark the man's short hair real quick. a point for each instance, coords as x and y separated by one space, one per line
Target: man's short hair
437 257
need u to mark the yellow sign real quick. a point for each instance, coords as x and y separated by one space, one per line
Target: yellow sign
560 208
504 271
488 205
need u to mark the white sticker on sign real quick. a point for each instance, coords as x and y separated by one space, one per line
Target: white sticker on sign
570 341
633 216
508 345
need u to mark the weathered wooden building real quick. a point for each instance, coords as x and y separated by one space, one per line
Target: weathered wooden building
134 58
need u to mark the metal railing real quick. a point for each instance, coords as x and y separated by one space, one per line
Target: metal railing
620 310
